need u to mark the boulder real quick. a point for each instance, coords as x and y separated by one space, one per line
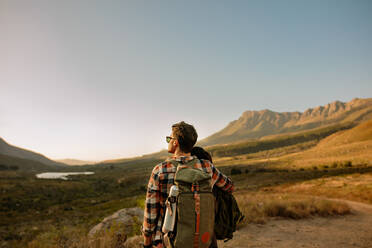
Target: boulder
124 221
134 242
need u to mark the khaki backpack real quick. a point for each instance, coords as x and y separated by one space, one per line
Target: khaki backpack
195 207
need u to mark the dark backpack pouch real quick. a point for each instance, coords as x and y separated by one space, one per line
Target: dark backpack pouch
228 214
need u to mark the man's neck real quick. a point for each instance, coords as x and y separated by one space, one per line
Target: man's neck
180 154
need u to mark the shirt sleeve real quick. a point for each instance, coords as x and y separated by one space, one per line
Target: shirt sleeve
221 180
152 207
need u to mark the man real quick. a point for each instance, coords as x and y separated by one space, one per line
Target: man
180 144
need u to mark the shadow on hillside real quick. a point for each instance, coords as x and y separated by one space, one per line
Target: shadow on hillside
256 178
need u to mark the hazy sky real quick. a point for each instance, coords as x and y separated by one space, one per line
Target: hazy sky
99 80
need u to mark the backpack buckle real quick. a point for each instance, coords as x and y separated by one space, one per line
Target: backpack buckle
195 187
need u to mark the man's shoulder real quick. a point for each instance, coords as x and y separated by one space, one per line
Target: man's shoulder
206 163
163 167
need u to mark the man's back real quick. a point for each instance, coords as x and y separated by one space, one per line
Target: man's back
161 180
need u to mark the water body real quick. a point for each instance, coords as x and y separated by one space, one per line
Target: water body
60 175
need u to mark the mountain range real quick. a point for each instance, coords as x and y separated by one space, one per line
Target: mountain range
252 125
258 124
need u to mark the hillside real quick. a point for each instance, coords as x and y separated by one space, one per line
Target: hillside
13 151
257 124
8 163
161 155
276 141
70 161
362 132
354 145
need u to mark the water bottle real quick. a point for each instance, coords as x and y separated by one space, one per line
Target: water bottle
170 213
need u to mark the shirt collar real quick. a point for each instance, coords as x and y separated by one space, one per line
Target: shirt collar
182 159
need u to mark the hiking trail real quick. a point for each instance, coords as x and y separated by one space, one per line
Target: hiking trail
349 231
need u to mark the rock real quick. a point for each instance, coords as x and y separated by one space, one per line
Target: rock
124 219
134 242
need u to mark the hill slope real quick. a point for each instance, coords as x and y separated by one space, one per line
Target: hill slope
257 124
362 132
353 145
13 151
276 141
70 161
13 163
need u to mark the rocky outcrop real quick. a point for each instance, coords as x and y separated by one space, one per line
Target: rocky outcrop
134 242
124 220
118 229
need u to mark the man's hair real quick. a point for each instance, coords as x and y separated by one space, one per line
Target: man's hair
185 134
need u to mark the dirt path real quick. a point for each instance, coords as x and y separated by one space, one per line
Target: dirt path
354 231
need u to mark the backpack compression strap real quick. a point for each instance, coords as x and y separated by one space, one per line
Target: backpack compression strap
195 189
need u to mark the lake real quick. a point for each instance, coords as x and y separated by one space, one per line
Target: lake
60 175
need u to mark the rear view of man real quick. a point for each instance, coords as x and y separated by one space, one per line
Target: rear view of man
180 143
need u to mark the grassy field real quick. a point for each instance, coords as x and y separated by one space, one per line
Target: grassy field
31 207
40 210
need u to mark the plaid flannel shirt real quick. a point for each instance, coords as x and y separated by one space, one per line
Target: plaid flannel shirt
160 182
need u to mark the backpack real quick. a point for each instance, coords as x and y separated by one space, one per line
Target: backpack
228 214
195 207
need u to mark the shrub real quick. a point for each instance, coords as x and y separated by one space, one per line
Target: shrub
258 207
348 164
236 171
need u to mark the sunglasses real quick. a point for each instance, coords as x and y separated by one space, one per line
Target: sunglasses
168 138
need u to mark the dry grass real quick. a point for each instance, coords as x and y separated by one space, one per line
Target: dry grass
259 207
65 237
355 187
357 153
72 237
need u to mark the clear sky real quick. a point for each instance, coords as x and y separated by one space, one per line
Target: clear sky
98 80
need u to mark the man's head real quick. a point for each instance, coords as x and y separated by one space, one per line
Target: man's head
184 137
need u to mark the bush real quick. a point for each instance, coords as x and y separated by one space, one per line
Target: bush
8 167
258 207
348 164
236 171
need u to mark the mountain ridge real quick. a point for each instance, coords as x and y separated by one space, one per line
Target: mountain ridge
257 124
17 152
